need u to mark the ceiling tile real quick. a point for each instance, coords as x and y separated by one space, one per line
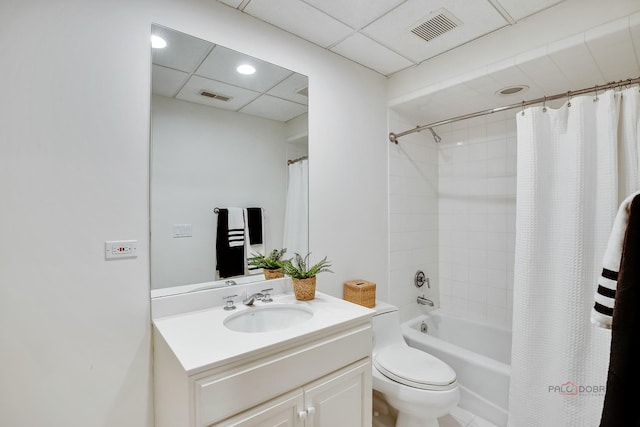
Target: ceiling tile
300 19
221 65
609 45
574 59
394 29
544 73
355 13
289 88
365 51
183 52
519 9
239 97
274 108
484 85
166 81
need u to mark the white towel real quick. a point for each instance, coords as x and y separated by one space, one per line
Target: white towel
236 226
605 296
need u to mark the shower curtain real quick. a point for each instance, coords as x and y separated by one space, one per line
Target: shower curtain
296 217
575 165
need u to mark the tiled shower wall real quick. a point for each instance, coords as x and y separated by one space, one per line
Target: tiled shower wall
477 193
413 217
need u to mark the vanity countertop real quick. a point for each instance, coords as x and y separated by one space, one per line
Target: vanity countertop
200 341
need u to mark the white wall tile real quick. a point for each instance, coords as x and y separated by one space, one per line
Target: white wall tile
477 219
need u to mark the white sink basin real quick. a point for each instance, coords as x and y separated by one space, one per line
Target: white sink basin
268 318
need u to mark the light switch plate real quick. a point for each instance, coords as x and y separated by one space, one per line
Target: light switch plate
182 230
121 249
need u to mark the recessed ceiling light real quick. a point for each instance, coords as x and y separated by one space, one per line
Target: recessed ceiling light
245 69
511 90
158 42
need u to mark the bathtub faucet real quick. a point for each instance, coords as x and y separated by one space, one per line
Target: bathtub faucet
425 301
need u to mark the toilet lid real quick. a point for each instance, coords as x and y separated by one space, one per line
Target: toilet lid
414 368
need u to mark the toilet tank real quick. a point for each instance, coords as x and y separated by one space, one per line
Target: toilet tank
386 325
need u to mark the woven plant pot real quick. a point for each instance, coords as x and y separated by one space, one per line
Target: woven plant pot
275 273
305 289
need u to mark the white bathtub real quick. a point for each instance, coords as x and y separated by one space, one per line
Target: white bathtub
480 354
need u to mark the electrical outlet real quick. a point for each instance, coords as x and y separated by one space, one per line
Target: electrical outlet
121 249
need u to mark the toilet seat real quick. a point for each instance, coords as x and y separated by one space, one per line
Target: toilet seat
414 368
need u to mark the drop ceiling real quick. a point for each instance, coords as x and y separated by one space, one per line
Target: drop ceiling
608 53
189 66
378 34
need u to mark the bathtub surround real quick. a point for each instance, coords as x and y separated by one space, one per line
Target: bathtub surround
568 178
413 218
477 190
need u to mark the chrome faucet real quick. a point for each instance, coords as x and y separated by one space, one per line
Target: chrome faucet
425 301
249 300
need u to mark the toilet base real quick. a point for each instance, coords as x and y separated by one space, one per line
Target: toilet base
408 420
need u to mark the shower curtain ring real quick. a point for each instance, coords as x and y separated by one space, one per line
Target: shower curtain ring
596 90
522 108
569 99
544 105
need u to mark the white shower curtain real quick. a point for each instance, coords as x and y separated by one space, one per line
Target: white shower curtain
296 218
575 165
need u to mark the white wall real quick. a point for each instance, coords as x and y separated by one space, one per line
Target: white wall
413 217
477 200
202 158
74 132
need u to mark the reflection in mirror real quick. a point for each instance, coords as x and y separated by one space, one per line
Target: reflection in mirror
229 168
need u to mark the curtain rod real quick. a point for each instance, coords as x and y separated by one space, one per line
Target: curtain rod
393 137
299 159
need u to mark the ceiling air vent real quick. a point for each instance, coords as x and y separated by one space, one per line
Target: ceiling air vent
216 96
435 25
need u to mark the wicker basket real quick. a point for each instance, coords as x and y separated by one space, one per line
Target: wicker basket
360 292
305 289
275 273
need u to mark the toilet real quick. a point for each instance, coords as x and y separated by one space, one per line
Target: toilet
419 386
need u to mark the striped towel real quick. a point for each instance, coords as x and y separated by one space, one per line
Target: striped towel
605 296
236 227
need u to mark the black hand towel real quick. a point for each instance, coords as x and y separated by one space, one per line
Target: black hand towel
254 219
621 402
229 259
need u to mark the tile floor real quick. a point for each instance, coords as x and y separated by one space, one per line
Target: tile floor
458 417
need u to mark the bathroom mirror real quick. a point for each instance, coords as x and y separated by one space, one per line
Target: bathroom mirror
222 139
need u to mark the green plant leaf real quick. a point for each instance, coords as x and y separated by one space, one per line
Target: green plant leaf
297 267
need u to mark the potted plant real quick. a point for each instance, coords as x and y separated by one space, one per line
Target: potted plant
271 264
304 277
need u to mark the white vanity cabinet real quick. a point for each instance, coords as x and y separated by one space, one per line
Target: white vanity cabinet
337 400
318 375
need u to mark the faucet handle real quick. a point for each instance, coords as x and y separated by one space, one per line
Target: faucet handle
230 304
267 295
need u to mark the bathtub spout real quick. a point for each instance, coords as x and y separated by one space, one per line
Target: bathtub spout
425 301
